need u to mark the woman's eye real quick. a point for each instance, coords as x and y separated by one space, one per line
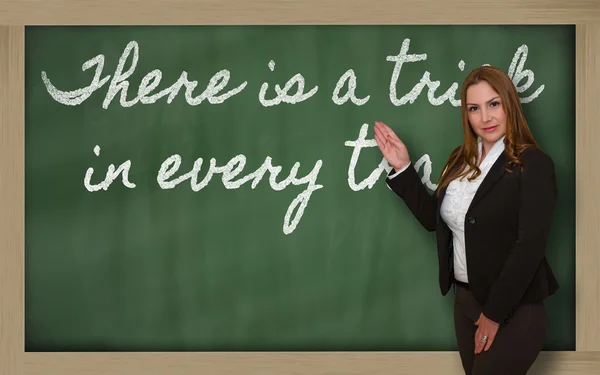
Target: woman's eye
494 104
471 109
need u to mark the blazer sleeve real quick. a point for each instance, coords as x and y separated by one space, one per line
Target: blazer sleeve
538 194
408 186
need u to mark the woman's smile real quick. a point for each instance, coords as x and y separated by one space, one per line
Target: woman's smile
490 128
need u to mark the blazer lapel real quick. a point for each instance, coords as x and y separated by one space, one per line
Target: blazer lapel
494 174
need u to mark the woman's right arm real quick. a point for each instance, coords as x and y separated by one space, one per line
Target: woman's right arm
406 184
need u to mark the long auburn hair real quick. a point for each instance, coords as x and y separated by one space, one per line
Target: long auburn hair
463 160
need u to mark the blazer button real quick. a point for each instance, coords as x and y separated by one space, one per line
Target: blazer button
471 220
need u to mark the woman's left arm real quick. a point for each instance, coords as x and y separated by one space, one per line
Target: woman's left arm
538 194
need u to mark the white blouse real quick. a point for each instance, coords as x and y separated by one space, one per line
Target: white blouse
457 200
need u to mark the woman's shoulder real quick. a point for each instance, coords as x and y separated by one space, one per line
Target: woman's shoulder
535 157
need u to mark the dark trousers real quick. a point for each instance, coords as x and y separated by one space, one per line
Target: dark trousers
517 343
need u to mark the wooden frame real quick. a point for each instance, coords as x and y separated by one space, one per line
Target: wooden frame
15 14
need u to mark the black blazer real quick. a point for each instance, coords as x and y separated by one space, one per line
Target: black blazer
506 232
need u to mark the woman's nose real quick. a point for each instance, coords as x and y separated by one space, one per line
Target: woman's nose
485 116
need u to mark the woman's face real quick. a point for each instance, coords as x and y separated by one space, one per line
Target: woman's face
486 113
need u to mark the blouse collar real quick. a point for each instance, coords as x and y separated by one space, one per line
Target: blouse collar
494 152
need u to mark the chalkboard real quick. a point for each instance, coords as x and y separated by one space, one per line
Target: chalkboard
221 189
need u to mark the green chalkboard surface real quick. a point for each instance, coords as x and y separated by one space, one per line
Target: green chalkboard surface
219 188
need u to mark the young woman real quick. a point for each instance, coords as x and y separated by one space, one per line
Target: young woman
492 212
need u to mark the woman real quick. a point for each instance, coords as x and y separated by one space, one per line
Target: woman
492 212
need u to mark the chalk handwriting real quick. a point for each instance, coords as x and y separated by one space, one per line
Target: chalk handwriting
149 83
282 95
519 74
111 175
404 57
349 77
425 161
172 164
360 143
119 84
78 96
410 97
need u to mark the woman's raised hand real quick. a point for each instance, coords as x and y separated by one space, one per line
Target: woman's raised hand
392 148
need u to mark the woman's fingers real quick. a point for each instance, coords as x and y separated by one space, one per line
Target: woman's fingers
396 142
392 148
479 344
387 131
389 134
486 328
383 128
477 340
380 142
490 340
383 144
380 128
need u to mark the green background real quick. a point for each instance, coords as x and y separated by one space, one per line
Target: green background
153 269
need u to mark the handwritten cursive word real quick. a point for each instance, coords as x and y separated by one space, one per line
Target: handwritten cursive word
172 164
404 57
120 84
360 143
350 94
111 175
282 94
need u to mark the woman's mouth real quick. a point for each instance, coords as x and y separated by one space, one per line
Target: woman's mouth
490 129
